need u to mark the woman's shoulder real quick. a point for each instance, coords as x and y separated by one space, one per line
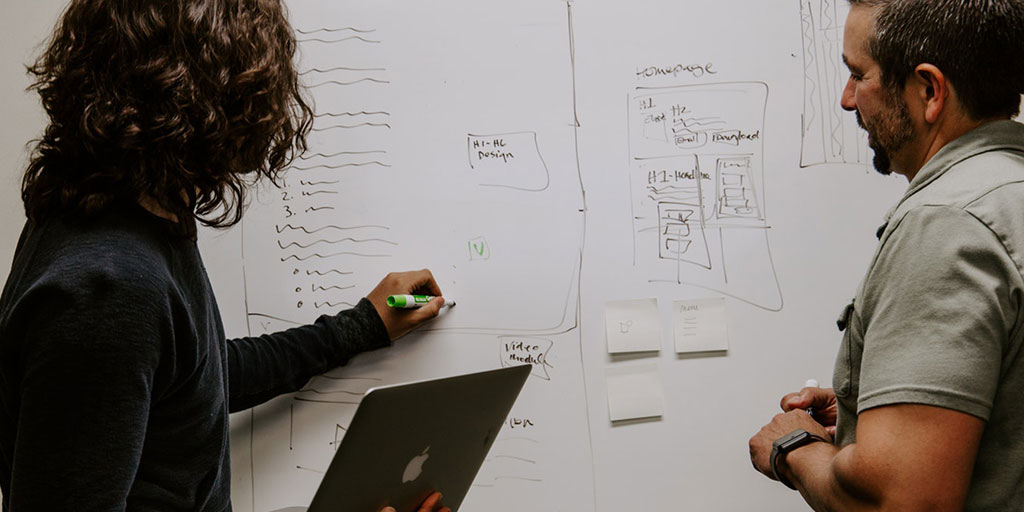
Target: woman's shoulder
116 255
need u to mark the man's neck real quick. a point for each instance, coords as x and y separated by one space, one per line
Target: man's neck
932 142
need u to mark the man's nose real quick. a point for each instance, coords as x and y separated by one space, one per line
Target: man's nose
847 101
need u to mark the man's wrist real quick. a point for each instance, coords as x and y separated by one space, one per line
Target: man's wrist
786 444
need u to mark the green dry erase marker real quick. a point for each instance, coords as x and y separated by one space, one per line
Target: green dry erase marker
413 301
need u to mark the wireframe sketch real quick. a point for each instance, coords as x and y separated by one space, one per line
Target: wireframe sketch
829 134
697 186
401 176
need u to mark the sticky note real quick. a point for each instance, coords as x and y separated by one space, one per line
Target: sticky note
700 325
634 392
632 326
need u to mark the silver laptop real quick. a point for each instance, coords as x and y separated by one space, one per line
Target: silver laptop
408 440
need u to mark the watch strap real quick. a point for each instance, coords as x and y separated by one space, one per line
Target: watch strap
786 444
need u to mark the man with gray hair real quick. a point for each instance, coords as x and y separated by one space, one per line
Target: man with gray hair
925 411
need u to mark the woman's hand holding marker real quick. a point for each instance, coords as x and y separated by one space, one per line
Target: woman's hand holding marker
400 321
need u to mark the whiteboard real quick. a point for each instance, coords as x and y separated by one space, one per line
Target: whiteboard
544 158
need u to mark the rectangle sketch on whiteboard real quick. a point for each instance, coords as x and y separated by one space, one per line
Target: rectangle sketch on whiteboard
830 135
401 100
697 185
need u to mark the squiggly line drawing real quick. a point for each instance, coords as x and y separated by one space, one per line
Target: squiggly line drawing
356 240
810 63
342 40
332 155
330 226
361 164
354 114
319 305
331 30
319 273
327 288
828 135
662 190
318 208
836 131
699 121
354 82
826 15
315 183
349 127
332 255
317 192
339 68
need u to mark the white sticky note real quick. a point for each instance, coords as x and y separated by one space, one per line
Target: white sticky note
632 326
700 325
634 392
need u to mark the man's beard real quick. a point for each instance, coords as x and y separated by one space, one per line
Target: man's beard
881 160
888 132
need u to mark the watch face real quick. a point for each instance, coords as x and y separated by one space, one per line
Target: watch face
792 440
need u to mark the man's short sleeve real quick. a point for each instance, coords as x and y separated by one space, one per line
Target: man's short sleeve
938 314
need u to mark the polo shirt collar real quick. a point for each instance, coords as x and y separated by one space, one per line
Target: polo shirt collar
994 136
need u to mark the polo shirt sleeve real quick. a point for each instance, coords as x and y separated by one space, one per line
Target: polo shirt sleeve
940 314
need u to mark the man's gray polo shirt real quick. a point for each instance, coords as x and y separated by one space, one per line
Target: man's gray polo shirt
938 318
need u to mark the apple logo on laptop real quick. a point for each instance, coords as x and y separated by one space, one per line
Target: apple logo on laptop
415 466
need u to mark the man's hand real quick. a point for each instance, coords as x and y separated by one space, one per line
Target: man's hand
428 506
907 457
781 424
400 321
822 402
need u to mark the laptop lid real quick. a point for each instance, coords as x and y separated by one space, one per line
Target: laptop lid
408 440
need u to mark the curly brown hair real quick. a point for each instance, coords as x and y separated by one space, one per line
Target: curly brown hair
184 102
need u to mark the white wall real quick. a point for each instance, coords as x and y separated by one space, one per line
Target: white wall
25 25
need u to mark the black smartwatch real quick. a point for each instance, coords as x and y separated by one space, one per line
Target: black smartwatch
788 443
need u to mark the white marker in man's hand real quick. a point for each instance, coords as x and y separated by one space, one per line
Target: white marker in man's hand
811 383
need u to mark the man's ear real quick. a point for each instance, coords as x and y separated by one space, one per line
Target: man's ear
932 89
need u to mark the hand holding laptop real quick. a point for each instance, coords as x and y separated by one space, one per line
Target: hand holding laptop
428 506
398 466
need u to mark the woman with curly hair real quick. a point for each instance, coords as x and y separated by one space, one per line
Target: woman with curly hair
116 379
